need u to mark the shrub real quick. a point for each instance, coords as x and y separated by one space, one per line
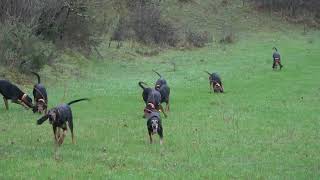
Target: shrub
18 44
228 38
292 10
65 23
185 1
121 31
165 33
148 26
68 25
228 35
198 39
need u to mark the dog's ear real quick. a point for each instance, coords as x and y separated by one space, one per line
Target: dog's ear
42 119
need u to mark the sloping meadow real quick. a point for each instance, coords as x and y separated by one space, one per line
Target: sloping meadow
265 125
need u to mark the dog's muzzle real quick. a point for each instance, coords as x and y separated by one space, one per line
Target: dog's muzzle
50 121
154 126
154 130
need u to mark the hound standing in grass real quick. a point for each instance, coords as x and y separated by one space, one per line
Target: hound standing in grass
60 118
152 96
40 96
276 59
215 83
164 89
154 124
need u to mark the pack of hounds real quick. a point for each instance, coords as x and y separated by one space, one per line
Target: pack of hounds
60 117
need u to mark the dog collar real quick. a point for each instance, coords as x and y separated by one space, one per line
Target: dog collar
41 100
151 105
24 96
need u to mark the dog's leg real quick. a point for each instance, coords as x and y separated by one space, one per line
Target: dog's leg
160 132
56 132
58 135
71 130
56 148
274 65
46 108
109 43
6 103
167 107
54 128
161 108
150 137
161 141
64 133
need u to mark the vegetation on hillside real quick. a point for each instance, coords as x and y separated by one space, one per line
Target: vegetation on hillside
265 125
36 30
300 11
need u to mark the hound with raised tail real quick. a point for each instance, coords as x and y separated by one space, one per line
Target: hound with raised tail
215 83
40 96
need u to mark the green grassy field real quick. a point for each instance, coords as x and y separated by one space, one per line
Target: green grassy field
265 126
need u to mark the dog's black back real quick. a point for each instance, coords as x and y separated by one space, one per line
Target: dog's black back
165 93
145 93
63 114
216 83
10 91
39 91
161 81
215 78
164 89
154 97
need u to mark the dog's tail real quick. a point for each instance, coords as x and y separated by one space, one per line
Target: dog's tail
140 84
157 73
38 76
275 49
42 119
78 100
208 73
